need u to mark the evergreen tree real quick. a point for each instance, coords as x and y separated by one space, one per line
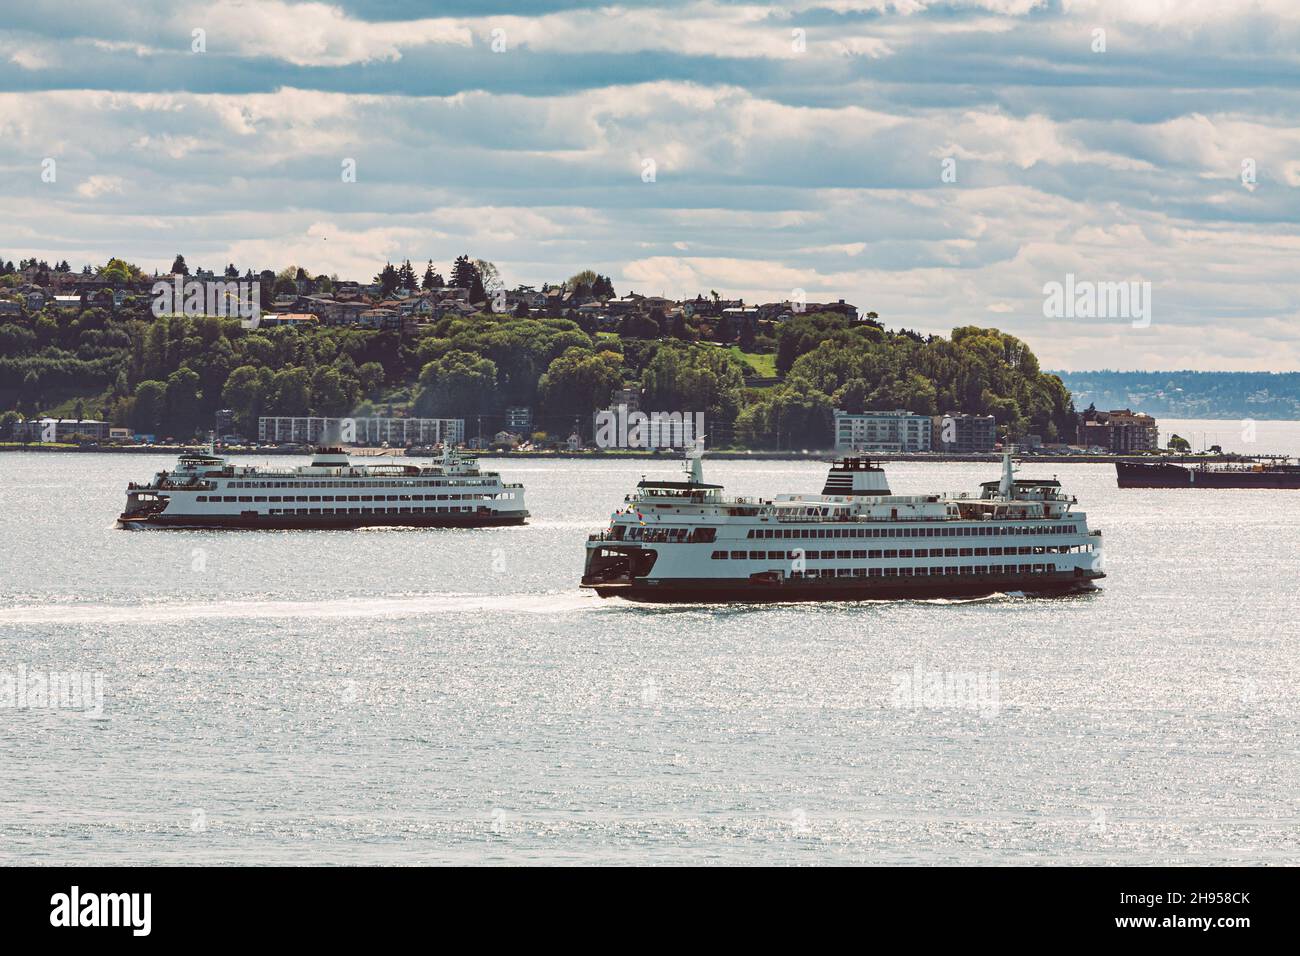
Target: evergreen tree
431 279
464 275
179 266
476 291
387 280
406 276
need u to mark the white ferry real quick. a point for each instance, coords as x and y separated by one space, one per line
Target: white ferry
684 541
206 491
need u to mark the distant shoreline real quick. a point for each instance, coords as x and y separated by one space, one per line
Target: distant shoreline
625 454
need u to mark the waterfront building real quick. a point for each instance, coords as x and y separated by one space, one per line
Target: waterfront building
881 431
64 429
397 432
960 434
1119 431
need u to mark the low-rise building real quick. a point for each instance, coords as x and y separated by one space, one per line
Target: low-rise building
960 434
61 429
397 432
379 319
519 418
1119 431
270 320
882 431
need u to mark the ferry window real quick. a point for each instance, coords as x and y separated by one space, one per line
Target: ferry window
905 552
201 498
776 555
719 556
229 498
843 554
873 554
965 552
981 552
259 498
891 572
859 555
891 554
859 572
739 555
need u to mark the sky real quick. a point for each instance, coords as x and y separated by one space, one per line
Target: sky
939 162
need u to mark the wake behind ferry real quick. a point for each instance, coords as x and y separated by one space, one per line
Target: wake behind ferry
684 541
206 491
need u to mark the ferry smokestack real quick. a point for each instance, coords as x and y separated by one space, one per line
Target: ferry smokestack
856 477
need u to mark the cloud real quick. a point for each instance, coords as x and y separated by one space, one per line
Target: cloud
315 34
99 185
784 159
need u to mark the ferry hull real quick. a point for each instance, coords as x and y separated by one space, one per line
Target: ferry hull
711 591
319 522
1139 475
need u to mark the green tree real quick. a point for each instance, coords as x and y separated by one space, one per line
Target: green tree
245 394
149 407
291 392
579 382
457 385
182 416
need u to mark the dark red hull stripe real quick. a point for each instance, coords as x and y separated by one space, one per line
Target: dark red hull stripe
846 589
307 522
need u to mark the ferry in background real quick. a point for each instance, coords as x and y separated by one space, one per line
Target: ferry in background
1273 473
684 541
207 491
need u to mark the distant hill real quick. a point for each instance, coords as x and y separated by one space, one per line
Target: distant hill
1188 394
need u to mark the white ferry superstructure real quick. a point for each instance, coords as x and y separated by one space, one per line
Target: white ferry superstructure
207 491
685 541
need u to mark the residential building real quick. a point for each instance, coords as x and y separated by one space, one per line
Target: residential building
61 429
519 418
270 320
629 395
1119 431
881 431
379 319
397 432
960 434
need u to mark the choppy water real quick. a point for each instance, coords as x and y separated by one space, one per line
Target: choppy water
416 696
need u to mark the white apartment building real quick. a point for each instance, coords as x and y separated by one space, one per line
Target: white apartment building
897 431
398 432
